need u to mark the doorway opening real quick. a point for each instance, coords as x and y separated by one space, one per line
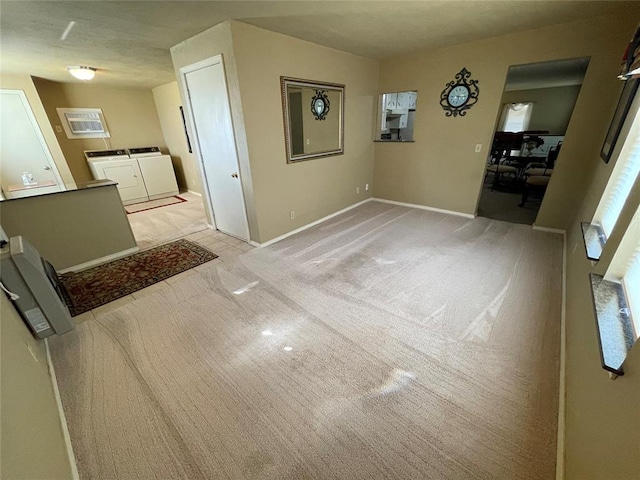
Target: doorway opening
535 110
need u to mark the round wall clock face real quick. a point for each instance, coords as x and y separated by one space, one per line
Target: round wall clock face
460 94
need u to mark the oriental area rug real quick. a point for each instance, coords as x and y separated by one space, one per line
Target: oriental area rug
88 289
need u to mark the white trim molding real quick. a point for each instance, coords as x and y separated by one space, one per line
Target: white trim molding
424 207
562 389
63 419
309 225
339 212
549 230
98 261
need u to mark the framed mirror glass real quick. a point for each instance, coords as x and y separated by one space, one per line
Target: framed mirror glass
313 115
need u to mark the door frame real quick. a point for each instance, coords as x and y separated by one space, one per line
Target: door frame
36 127
190 121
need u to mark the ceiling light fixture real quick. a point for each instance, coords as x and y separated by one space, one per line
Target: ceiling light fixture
82 72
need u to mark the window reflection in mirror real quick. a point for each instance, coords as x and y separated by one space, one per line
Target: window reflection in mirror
313 119
396 114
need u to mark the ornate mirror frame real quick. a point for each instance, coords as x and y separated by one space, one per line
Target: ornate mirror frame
320 92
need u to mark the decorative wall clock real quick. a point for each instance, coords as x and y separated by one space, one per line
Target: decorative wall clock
460 94
320 105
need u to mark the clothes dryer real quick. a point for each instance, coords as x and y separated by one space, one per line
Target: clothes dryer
157 171
116 165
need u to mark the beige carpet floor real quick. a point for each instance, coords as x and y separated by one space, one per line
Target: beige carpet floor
161 225
385 343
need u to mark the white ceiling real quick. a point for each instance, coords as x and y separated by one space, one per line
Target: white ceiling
129 41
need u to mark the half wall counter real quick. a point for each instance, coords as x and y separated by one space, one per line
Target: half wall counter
75 228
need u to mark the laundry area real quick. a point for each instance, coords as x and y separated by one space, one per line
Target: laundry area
137 139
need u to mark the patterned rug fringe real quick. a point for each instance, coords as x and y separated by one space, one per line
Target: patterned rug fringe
105 283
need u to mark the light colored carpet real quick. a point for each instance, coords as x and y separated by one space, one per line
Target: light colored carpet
386 343
161 225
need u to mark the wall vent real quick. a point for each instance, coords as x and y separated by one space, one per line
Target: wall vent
83 122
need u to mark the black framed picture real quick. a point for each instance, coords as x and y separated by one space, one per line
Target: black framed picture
628 93
186 133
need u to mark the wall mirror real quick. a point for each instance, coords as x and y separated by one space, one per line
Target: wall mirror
396 113
313 115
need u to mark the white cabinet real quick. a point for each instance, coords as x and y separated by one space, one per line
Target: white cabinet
391 101
404 119
413 99
406 100
403 101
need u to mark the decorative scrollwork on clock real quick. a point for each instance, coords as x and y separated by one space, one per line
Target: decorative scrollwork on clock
320 105
459 95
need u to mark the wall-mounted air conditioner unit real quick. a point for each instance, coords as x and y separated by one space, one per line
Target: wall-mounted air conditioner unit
83 122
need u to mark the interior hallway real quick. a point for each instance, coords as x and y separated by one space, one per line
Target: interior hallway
387 342
161 225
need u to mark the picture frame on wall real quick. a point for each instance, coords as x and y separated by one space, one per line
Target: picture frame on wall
186 132
626 98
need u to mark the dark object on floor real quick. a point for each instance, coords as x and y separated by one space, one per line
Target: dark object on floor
105 283
534 186
150 205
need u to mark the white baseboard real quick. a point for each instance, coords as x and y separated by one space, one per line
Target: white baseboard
424 207
63 418
195 193
562 389
98 261
550 230
309 225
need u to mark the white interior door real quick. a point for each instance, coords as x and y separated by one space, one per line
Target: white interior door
23 148
209 105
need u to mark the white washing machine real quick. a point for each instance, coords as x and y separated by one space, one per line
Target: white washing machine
116 165
157 172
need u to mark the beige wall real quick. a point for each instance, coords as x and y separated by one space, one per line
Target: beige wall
602 431
441 169
32 441
168 102
71 228
217 41
254 61
130 114
552 106
26 84
314 188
